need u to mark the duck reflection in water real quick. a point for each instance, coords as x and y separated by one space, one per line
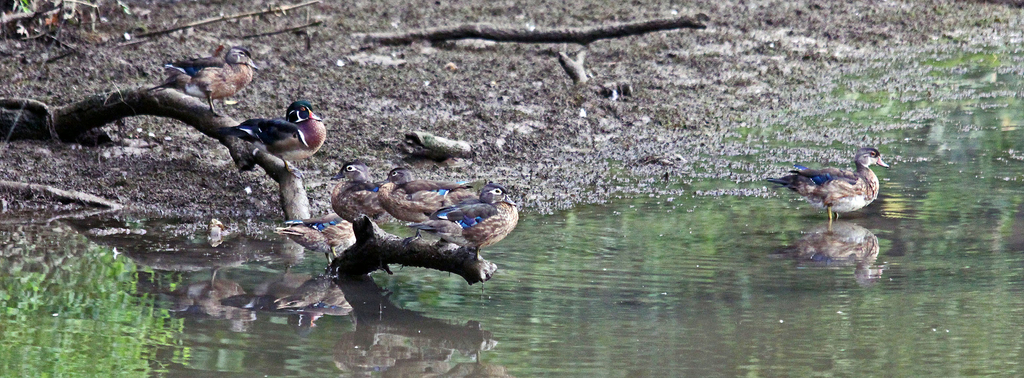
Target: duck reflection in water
308 298
843 245
203 298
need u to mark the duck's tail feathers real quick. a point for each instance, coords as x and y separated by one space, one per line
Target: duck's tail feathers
784 181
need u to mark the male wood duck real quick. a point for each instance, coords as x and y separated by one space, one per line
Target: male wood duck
330 235
298 136
358 196
211 77
835 189
412 200
475 223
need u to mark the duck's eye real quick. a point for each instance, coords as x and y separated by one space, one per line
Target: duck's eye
350 168
496 191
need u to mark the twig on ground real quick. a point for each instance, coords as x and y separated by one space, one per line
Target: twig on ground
67 195
272 9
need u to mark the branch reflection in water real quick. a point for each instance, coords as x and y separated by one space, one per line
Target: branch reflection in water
845 244
406 343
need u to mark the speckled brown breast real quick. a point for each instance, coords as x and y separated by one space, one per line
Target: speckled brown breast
495 228
350 204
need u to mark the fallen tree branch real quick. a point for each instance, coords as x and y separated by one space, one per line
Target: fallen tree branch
282 31
60 194
375 249
581 36
272 9
30 119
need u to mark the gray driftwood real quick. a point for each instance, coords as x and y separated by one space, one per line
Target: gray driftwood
376 249
30 119
424 144
583 36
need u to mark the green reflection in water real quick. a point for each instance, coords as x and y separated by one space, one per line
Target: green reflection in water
68 308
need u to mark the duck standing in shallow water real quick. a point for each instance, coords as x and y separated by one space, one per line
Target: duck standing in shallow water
211 78
298 136
412 200
835 189
330 234
358 196
475 223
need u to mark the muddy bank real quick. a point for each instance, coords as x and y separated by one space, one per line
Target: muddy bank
555 145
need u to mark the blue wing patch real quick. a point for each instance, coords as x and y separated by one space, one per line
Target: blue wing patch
319 226
819 179
468 222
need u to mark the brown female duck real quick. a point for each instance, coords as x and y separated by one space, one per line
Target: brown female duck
329 234
834 189
412 200
475 223
211 78
358 196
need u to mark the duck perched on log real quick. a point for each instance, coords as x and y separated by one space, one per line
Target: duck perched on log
357 196
412 200
211 78
834 189
297 136
475 223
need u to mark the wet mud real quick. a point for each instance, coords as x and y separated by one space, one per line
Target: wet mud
695 95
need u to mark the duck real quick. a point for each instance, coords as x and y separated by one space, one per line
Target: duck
211 78
296 137
329 234
358 196
834 189
477 222
412 200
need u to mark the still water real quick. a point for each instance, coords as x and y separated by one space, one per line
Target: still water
927 281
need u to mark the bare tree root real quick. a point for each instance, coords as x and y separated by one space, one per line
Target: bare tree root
30 119
581 36
574 67
375 249
60 194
